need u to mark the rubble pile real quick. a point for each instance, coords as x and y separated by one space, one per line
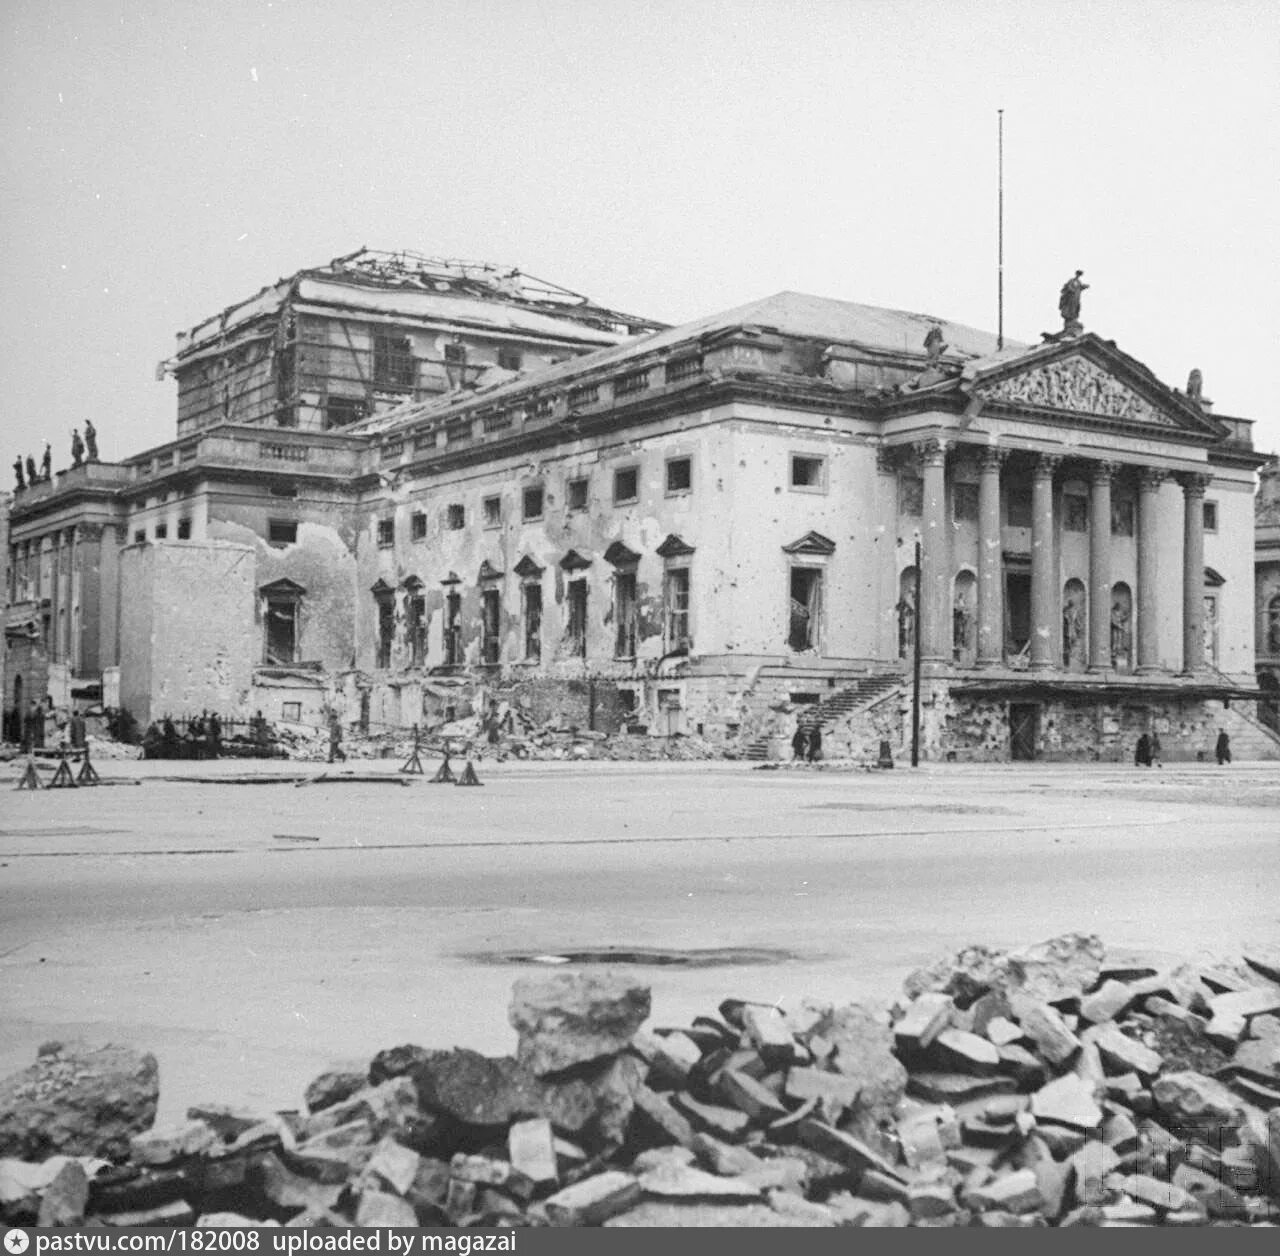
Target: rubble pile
1043 1087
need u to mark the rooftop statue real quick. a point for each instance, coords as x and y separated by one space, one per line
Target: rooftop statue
1069 302
91 440
933 345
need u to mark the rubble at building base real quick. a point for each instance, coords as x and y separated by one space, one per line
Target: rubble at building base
1051 1086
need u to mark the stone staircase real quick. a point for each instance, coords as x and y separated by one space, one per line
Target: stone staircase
842 703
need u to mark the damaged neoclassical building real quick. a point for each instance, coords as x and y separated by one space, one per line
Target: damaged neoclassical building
406 489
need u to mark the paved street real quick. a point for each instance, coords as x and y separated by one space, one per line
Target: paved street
249 934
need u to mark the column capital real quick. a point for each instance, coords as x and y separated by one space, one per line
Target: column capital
992 459
1046 465
1194 483
1102 471
1151 478
933 449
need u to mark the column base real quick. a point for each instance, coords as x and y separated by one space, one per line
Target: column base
1035 666
1149 669
988 663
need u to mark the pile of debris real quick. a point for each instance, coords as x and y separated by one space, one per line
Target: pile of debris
1046 1086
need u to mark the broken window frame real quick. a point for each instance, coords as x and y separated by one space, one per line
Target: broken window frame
531 614
394 365
341 412
281 609
625 612
804 619
491 626
677 584
577 601
807 472
416 628
451 628
510 359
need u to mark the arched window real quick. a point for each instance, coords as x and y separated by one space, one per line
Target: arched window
1121 627
1075 628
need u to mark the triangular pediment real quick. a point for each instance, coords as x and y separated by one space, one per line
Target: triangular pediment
621 555
674 547
527 569
811 543
1090 379
281 589
489 572
380 588
573 561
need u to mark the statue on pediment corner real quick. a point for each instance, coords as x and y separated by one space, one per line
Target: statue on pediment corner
1069 302
934 346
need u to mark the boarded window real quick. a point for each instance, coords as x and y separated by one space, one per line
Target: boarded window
679 475
576 630
576 494
626 485
532 597
624 614
453 629
805 607
964 503
281 631
675 596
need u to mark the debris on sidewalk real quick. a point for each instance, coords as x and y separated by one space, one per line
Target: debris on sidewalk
1043 1087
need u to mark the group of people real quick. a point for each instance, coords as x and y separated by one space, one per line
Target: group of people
1148 752
83 449
202 739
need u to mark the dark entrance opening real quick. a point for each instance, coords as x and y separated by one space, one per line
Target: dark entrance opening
1017 602
1023 720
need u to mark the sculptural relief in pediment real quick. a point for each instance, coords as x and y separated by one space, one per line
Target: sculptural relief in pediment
1076 384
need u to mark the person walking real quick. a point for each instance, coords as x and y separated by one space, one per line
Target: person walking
1223 749
1142 752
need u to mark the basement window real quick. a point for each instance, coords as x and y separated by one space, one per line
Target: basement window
679 475
809 472
418 526
279 532
386 533
626 485
532 503
576 494
455 517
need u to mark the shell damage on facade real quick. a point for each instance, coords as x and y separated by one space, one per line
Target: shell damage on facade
703 529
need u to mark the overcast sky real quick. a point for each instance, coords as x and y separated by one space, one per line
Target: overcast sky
165 158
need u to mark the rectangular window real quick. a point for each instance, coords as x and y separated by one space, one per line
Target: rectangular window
393 365
140 536
281 643
808 471
281 531
806 607
911 495
576 596
291 712
1018 506
386 630
964 503
624 614
626 485
1121 516
453 629
675 596
343 411
576 494
509 359
490 626
455 352
386 533
1211 516
531 502
532 597
455 518
417 630
1075 513
162 531
492 510
679 475
184 529
418 526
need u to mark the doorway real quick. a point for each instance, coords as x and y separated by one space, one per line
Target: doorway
1024 719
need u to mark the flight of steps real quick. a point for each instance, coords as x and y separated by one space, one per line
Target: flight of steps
841 703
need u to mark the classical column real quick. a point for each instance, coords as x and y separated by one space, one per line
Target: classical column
1193 487
934 616
990 562
1044 572
1100 565
1149 481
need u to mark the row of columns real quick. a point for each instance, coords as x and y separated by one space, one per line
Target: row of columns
936 574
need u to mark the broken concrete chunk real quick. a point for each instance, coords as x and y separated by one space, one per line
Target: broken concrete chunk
675 1054
377 1208
1107 1002
1255 1001
593 1200
1061 968
335 1085
1017 1192
567 1019
956 1087
677 1181
726 1123
1122 1054
65 1198
833 1089
394 1164
162 1147
1193 1099
842 1148
531 1147
769 1033
1067 1101
1162 1196
1046 1028
1002 1032
749 1096
1263 959
966 1053
926 1017
661 1114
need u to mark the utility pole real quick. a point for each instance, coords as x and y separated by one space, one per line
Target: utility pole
915 669
1000 229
